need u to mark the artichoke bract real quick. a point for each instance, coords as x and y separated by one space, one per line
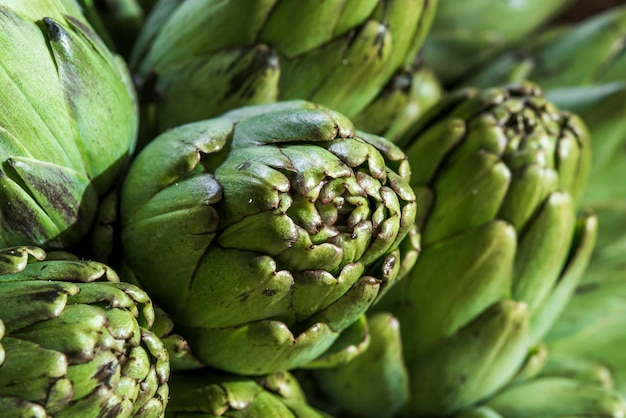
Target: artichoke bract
496 174
407 96
209 58
267 231
211 393
68 123
76 342
350 386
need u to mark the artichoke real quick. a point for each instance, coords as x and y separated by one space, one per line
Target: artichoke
592 83
67 123
268 231
466 34
211 393
199 59
498 173
76 341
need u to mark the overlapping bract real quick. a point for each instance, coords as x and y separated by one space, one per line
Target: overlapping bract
76 342
406 97
267 231
67 123
211 393
209 57
592 83
373 384
497 173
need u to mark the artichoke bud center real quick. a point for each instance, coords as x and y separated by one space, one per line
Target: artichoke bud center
531 132
330 209
341 212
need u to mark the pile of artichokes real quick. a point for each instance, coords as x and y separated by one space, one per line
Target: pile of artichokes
345 208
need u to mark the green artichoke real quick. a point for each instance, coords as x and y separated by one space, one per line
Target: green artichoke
498 173
591 82
199 59
67 123
211 393
76 341
466 34
268 231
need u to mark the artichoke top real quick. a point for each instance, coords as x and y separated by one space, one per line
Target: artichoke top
282 219
494 141
67 123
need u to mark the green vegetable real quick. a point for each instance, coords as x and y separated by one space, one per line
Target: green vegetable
497 173
199 59
268 231
76 342
67 123
592 83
